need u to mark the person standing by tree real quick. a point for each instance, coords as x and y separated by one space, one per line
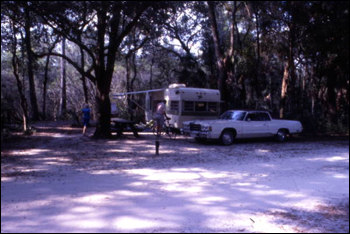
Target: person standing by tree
86 118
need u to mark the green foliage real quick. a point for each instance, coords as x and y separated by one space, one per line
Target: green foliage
171 42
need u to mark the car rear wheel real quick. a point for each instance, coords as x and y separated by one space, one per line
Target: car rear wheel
227 138
281 136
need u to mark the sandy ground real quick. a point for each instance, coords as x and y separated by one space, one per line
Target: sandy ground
60 181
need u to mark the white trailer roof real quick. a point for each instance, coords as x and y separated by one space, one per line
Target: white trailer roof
200 94
184 92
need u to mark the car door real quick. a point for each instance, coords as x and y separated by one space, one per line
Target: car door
265 118
253 126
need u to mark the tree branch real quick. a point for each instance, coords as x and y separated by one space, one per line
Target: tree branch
76 66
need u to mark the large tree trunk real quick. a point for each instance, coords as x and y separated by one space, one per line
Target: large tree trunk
219 54
284 91
258 59
331 99
46 78
45 85
229 61
134 67
103 79
32 91
63 99
288 81
19 83
103 110
83 78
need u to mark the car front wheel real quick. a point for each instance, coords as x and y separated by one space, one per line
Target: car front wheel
227 138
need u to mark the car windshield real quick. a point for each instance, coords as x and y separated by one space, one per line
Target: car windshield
233 115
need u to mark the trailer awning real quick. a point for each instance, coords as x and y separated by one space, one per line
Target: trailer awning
122 95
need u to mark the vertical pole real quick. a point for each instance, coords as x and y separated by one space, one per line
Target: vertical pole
157 148
148 110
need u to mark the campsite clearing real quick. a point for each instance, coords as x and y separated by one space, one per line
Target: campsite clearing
60 181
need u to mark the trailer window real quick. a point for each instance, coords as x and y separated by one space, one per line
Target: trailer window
201 106
174 106
213 107
189 106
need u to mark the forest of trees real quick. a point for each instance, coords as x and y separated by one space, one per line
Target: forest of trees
289 57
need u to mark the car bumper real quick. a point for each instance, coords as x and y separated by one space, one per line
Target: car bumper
195 134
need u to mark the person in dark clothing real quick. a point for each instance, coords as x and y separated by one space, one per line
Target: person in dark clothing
86 118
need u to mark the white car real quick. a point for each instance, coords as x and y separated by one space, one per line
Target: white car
237 124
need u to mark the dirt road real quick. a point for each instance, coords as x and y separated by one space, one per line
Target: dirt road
60 181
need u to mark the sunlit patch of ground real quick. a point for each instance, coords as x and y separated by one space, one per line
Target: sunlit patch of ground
58 180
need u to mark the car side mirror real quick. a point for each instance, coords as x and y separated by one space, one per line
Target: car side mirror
249 119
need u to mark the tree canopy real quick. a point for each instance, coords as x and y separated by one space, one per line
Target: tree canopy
291 57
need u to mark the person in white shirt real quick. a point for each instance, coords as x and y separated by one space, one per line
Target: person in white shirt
160 115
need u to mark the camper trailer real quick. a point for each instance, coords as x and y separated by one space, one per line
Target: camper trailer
183 103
